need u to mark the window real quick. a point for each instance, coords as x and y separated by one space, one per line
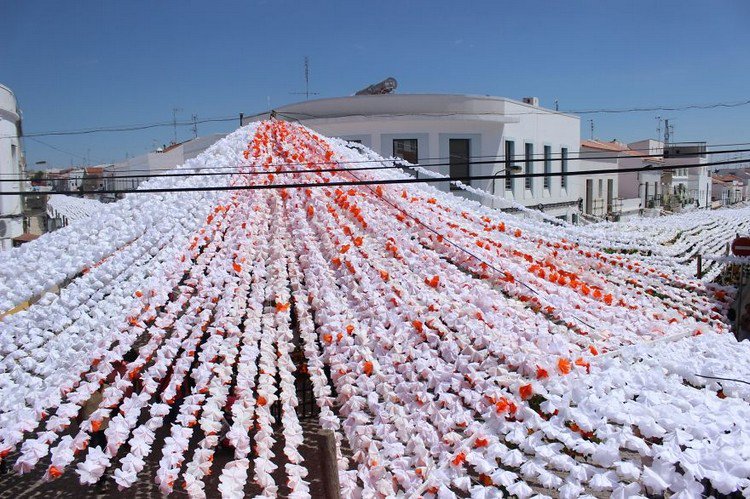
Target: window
601 188
459 160
564 167
510 152
407 149
528 156
547 166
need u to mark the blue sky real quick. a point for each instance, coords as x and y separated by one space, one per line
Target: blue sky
83 64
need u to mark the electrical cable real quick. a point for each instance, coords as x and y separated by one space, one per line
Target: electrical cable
121 128
424 165
129 128
723 379
447 239
556 156
546 112
58 149
369 182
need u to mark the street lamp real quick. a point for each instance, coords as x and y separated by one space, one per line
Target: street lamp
513 169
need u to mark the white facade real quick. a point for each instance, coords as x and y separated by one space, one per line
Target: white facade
75 178
644 190
727 188
11 166
439 125
600 192
690 184
671 189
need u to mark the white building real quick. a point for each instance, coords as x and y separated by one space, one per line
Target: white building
11 166
691 185
727 188
130 173
601 192
453 132
642 192
677 183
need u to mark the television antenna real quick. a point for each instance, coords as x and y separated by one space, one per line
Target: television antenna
175 110
307 92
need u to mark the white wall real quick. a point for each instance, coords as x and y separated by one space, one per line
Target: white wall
604 187
544 128
11 207
514 121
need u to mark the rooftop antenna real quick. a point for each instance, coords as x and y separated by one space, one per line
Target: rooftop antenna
307 92
667 130
557 105
591 124
195 126
175 110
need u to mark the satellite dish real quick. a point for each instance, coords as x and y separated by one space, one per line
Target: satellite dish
386 86
3 228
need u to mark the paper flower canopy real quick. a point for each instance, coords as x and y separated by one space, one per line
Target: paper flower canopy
451 348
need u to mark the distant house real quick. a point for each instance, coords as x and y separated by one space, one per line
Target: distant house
671 178
601 196
643 192
58 180
93 178
727 188
691 184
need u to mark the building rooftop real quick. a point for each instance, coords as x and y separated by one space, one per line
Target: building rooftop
726 178
605 146
612 146
411 106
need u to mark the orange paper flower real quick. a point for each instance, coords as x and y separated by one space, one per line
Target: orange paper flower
526 391
563 365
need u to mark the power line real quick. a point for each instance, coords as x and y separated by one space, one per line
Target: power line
129 128
519 156
723 379
122 128
664 108
236 168
58 149
550 112
374 182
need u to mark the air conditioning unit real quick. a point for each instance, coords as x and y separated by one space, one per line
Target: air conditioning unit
534 101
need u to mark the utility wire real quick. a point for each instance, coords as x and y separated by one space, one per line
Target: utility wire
724 379
58 149
448 240
369 182
129 128
547 112
237 171
555 156
122 128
